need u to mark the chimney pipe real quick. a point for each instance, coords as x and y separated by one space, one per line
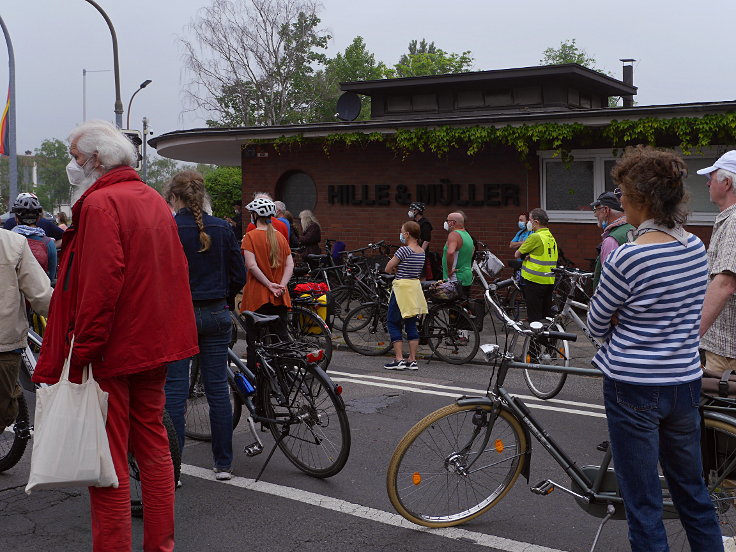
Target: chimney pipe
628 79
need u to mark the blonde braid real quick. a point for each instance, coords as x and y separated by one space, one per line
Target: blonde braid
188 186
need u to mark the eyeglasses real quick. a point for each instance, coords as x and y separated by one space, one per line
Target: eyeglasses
596 209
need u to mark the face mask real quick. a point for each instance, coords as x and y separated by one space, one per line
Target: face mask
411 214
402 239
529 226
522 225
446 227
79 176
604 224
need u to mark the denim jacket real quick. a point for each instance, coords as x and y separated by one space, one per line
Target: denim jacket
219 272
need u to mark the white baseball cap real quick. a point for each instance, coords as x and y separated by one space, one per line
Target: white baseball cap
726 161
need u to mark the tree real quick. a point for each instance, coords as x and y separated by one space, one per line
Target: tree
224 185
161 169
427 59
252 61
568 52
53 189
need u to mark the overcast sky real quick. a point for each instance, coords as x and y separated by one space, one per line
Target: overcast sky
684 51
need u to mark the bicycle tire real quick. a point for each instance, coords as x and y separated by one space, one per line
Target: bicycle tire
197 417
516 307
365 330
316 432
546 385
424 479
14 439
451 333
346 298
136 500
305 326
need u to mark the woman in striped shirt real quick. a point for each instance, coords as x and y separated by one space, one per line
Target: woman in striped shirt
647 307
407 299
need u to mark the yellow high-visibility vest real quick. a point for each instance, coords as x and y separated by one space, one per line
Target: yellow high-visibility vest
538 267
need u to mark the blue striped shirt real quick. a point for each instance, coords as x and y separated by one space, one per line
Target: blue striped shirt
410 263
657 290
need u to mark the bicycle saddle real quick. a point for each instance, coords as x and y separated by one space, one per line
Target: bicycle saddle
260 319
515 264
313 257
387 277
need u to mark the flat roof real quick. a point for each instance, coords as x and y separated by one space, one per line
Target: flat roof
572 73
222 146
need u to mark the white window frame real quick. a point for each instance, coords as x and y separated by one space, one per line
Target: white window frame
599 156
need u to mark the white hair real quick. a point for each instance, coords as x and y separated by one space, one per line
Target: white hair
280 206
111 146
723 174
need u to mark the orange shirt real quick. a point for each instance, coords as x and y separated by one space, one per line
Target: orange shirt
255 294
277 225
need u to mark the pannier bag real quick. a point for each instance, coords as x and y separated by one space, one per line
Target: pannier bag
443 290
717 385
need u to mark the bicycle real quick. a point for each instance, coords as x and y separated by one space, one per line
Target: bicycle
290 395
461 460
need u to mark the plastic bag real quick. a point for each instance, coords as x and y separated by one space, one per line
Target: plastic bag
70 446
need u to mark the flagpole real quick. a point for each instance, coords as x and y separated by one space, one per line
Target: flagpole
13 158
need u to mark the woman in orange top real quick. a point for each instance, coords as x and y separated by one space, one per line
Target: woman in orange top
270 265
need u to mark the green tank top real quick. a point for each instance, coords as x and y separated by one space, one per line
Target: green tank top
464 260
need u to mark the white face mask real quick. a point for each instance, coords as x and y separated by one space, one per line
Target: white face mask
80 176
529 226
411 214
446 227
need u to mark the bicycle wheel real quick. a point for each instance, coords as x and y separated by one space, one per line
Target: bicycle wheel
365 330
546 385
14 439
313 430
435 477
516 307
197 417
719 453
451 333
136 498
305 326
346 298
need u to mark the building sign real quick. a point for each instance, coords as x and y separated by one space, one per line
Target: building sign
445 193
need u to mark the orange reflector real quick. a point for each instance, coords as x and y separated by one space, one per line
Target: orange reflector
416 478
499 445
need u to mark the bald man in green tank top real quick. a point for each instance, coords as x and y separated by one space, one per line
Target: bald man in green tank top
457 256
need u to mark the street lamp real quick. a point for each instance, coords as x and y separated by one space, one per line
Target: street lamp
84 88
141 87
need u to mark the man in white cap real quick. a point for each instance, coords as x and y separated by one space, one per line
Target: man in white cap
719 309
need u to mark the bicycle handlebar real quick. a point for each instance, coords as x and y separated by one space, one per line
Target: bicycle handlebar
560 335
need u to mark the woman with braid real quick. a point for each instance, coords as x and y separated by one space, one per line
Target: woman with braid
216 275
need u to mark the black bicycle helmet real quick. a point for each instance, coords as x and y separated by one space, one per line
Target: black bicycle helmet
417 206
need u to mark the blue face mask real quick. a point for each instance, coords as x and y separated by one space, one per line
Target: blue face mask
522 225
604 224
401 238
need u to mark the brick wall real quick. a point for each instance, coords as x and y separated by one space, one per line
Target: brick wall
490 175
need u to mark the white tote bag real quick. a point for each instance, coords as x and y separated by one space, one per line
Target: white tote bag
70 446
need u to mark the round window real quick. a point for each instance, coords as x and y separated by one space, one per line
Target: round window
297 190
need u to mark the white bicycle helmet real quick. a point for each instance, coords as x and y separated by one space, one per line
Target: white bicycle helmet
25 202
262 207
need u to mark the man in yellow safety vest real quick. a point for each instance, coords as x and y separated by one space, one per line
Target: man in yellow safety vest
538 280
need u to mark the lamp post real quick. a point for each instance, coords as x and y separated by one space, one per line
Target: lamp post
116 65
12 154
84 88
145 157
141 87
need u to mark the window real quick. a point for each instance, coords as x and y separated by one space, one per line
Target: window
297 191
569 189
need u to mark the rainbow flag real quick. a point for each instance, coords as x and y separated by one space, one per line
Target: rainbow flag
4 129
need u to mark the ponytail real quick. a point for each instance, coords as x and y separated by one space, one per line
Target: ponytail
274 249
188 187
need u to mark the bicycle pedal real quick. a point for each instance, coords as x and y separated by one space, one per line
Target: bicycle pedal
603 446
543 488
253 450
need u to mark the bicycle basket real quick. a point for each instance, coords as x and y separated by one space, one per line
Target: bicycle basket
491 264
443 290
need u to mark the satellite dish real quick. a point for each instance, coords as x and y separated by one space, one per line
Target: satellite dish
348 106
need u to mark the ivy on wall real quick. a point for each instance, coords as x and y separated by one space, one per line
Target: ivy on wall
687 133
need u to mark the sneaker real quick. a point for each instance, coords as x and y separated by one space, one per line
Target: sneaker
412 366
223 474
178 484
395 365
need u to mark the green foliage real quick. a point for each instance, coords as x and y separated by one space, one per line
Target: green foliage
161 169
427 59
53 189
568 52
224 185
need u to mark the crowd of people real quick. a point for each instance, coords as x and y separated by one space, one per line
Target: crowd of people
659 297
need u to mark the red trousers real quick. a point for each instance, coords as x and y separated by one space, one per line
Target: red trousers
134 418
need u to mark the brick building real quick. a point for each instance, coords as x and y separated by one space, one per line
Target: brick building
360 189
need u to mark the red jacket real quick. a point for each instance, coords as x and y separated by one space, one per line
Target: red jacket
123 285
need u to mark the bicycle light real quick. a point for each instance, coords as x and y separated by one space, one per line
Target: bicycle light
315 356
490 351
536 327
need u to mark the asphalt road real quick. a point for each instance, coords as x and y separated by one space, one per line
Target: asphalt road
289 511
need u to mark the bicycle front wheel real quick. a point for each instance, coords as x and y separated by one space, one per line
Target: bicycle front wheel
312 428
305 326
451 334
14 439
365 330
540 350
441 474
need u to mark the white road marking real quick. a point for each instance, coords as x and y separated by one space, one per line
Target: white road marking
448 394
371 514
464 389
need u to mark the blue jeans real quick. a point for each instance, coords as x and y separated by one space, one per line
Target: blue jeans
650 423
213 329
394 320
